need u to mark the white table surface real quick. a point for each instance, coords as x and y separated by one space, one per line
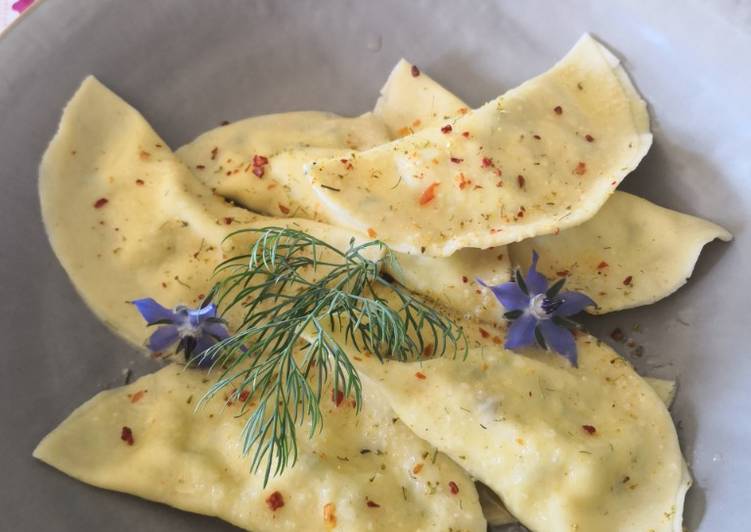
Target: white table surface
7 15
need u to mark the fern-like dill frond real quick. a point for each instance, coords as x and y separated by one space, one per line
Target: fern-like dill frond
298 298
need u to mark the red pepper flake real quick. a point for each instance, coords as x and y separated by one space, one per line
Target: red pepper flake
563 273
214 153
589 429
487 162
484 333
126 434
416 470
415 71
446 129
243 396
139 182
337 396
429 194
275 501
465 134
558 110
427 351
420 376
329 514
520 181
627 280
372 232
602 265
581 168
464 279
228 220
463 181
285 210
347 164
101 202
200 166
259 161
536 137
134 398
589 137
456 160
617 335
453 488
372 504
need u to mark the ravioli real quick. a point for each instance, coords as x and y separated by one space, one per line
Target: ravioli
258 162
566 449
664 388
542 157
127 219
492 507
364 471
411 100
638 236
631 253
410 103
452 281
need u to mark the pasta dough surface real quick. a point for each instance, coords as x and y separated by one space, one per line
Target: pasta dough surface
592 448
128 220
631 253
519 166
193 460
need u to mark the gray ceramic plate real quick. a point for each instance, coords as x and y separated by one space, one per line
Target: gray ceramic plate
189 65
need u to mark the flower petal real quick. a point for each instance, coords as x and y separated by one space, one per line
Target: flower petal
537 283
509 294
204 342
209 311
152 311
162 338
573 303
521 332
559 339
216 330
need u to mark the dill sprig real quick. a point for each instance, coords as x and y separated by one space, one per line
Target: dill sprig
299 297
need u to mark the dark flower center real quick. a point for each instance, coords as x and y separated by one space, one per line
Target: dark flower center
542 307
551 304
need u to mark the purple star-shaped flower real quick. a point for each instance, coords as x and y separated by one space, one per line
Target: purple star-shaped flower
538 311
194 330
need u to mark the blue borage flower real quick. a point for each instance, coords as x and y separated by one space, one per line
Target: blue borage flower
538 312
194 330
